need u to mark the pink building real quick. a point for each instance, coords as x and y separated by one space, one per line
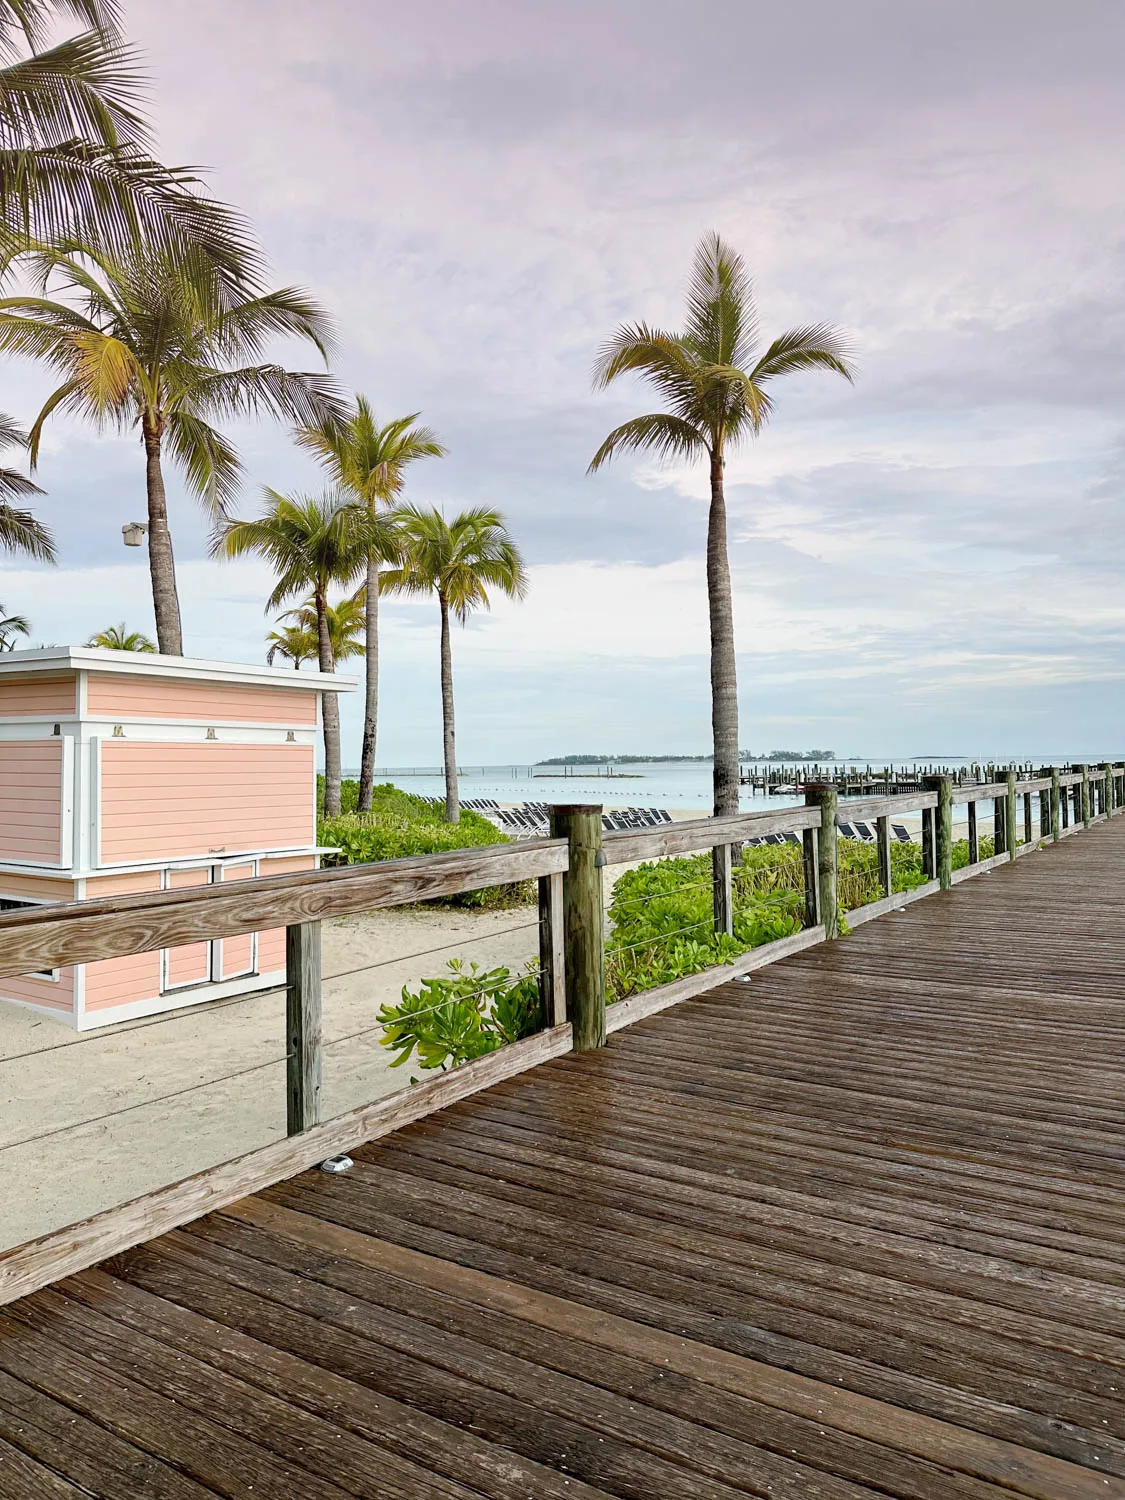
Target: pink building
125 772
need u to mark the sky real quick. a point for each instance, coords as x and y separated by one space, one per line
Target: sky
929 562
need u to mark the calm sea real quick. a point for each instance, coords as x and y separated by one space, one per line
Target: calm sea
675 785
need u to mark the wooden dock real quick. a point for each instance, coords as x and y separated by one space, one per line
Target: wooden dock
853 1227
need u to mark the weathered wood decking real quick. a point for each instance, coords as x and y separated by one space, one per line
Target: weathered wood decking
854 1227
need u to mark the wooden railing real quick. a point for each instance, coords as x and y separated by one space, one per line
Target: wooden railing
568 868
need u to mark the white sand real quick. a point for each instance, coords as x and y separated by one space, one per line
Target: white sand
55 1084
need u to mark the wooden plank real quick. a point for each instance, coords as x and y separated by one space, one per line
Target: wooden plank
821 797
27 1267
650 1002
696 834
1017 1468
304 1051
723 888
867 808
83 931
894 902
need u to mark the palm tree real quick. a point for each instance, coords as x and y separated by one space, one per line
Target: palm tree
20 531
346 624
313 542
371 462
140 345
459 561
75 160
121 638
715 384
293 642
12 626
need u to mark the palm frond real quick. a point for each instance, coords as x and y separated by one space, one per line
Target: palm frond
208 460
300 397
816 346
722 323
659 433
20 531
292 312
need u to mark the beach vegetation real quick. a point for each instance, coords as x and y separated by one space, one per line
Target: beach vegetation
461 1015
399 825
715 383
458 562
370 461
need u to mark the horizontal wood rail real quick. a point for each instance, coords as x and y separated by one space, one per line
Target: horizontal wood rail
82 931
699 834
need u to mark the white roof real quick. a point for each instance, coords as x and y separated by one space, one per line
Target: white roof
182 668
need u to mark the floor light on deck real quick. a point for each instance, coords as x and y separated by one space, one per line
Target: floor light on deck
337 1164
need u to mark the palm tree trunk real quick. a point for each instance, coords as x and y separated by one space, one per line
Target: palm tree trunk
724 680
161 563
452 796
371 705
330 711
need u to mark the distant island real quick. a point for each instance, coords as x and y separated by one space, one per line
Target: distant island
634 760
615 760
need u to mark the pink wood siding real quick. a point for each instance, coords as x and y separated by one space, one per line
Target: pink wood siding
55 994
37 696
120 981
167 801
237 952
31 801
209 702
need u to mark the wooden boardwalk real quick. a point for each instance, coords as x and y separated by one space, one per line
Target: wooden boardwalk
855 1227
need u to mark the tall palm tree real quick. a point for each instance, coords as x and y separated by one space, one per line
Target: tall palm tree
141 345
715 385
371 462
20 531
459 561
121 638
75 150
313 542
12 626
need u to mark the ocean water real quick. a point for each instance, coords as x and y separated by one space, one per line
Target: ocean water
675 785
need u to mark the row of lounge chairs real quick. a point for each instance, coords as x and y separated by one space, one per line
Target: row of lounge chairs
532 820
867 834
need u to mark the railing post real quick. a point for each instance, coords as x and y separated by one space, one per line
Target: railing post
1107 789
1085 794
1010 839
999 822
583 922
974 837
942 830
883 831
722 878
823 795
929 853
302 1026
552 961
1056 832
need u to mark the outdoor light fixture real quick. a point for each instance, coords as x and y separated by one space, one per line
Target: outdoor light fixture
134 533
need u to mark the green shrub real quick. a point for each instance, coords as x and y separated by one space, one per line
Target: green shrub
662 916
465 1014
400 826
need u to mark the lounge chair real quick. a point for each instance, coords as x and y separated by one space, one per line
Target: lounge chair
901 833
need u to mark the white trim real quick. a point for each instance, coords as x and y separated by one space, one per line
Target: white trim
66 802
65 1014
194 732
176 1000
56 659
96 803
205 856
220 952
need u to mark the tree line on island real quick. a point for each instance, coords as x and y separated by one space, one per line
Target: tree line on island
150 302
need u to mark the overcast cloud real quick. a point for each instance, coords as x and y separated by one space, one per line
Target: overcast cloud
929 562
